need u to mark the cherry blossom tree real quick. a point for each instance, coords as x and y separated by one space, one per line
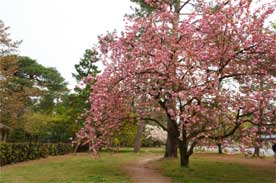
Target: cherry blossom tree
263 120
189 66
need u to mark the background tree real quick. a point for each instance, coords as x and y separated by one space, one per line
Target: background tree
86 71
87 66
29 92
47 80
7 45
34 99
78 102
7 67
126 136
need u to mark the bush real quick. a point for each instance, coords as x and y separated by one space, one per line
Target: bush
18 152
83 148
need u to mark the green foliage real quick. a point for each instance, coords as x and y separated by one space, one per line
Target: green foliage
51 84
145 9
273 25
18 152
36 123
7 45
87 65
76 104
59 149
17 134
40 75
27 86
14 93
47 127
67 117
60 129
125 137
43 127
31 96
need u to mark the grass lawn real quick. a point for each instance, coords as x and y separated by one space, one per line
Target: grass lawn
82 168
213 168
79 168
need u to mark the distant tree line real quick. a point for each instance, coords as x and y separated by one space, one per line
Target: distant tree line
35 101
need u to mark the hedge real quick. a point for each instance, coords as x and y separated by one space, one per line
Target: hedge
18 152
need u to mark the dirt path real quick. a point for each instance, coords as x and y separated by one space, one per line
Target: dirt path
141 173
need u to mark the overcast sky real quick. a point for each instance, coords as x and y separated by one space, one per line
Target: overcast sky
56 32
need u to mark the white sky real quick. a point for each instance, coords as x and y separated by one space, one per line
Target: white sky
57 32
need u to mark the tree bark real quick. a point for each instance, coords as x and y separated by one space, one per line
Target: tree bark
257 151
219 148
184 149
171 145
258 140
138 137
184 155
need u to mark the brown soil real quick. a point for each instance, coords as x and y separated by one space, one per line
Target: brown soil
142 173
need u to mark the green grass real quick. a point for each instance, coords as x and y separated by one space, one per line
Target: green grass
74 169
215 170
108 168
69 169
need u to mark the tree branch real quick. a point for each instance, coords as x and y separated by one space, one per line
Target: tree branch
182 6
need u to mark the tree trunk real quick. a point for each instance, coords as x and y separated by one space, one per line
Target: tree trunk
171 145
184 160
184 155
257 151
258 140
138 137
219 148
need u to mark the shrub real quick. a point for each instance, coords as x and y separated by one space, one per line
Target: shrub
18 152
83 148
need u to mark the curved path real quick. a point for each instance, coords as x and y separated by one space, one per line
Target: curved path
141 173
